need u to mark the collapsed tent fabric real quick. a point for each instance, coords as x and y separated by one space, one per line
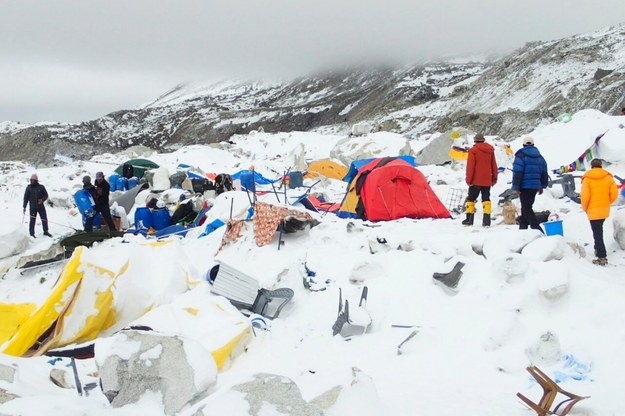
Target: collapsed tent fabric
210 320
139 167
258 178
99 292
327 168
390 188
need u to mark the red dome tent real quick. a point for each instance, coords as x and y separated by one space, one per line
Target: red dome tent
390 188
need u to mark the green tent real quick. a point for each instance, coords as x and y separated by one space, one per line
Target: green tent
139 167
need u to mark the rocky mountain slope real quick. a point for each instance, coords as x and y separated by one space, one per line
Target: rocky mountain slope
506 97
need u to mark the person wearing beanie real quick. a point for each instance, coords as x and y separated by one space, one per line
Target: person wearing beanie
101 193
529 177
36 195
599 191
481 174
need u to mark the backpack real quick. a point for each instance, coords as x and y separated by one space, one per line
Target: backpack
201 185
223 183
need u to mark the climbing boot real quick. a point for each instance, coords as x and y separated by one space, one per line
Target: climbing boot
470 213
600 261
486 220
468 220
487 211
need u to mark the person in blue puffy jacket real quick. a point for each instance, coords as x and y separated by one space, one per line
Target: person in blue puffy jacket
529 177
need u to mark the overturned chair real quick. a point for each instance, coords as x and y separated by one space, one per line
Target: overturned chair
244 292
550 392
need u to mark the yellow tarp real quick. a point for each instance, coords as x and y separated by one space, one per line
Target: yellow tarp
89 300
326 168
47 314
12 316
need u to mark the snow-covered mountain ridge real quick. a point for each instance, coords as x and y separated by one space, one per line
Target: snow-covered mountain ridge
507 98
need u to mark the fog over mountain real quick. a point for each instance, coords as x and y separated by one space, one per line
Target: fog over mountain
77 61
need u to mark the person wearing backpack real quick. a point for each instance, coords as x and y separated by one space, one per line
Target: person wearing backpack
529 177
598 193
36 195
481 174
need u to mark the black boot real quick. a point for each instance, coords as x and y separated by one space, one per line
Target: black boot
486 220
468 220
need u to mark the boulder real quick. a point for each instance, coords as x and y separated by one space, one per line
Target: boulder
500 244
618 221
546 249
7 373
5 396
374 145
512 267
361 129
134 362
279 395
553 279
13 240
545 352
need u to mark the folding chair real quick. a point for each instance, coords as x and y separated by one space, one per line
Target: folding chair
244 292
345 324
550 392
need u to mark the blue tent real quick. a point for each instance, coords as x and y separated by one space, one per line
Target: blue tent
357 164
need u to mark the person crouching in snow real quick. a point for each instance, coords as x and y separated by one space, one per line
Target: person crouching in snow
598 193
481 174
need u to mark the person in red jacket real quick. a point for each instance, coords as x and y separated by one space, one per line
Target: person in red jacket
480 176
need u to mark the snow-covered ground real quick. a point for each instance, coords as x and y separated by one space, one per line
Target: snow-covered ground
522 299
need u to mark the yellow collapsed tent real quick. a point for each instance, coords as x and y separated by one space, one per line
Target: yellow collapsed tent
326 168
211 320
101 291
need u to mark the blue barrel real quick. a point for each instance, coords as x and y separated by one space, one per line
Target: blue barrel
84 202
97 221
113 182
143 218
122 184
132 182
160 219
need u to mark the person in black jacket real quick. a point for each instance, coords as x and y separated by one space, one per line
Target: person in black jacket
36 195
102 191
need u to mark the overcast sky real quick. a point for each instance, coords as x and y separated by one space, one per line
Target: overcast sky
77 60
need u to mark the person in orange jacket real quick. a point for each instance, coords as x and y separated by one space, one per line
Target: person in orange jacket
481 174
598 193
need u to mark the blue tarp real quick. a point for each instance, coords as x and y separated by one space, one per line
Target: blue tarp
258 178
191 174
357 164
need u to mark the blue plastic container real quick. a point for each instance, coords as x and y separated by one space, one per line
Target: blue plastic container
113 182
554 227
84 201
143 218
160 219
122 184
132 182
97 221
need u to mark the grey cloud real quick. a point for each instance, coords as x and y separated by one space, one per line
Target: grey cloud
92 57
